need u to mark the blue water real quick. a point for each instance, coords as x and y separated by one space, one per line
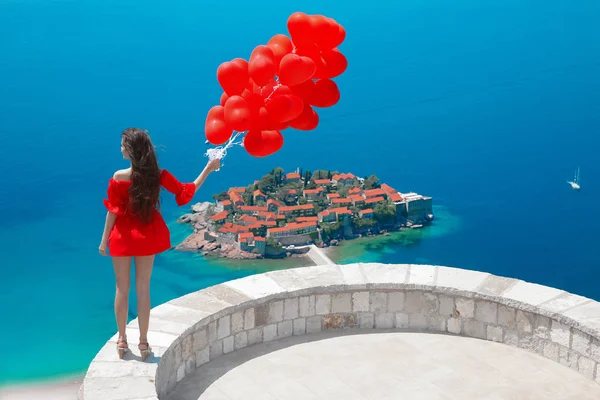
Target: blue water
486 106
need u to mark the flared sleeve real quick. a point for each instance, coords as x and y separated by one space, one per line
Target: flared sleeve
184 192
116 202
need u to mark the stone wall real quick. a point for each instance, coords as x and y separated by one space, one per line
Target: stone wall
192 330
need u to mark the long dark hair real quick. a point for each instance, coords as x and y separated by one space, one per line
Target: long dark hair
145 174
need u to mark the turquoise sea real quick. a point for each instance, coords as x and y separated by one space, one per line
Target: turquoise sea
488 106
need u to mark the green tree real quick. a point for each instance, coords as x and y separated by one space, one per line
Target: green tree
302 200
362 223
220 196
384 213
343 191
372 182
267 184
329 175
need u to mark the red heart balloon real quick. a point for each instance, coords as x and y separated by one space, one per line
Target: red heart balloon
233 77
335 63
266 122
284 107
280 45
300 27
216 130
224 98
307 120
295 69
326 93
263 143
303 90
238 115
261 69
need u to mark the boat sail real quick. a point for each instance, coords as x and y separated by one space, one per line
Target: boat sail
575 184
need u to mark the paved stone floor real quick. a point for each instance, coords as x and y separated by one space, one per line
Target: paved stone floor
382 366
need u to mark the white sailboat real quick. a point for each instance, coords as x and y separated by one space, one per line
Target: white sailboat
575 184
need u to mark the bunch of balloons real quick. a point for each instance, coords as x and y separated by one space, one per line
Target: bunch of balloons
279 85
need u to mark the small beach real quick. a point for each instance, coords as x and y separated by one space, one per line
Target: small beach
62 389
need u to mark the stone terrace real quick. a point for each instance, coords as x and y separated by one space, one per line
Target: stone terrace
191 331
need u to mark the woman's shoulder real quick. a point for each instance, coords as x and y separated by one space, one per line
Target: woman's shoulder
122 175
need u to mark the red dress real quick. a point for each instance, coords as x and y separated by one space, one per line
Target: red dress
129 236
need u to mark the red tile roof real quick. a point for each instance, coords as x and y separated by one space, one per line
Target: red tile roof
338 177
253 208
235 197
340 210
273 201
313 191
333 195
341 201
307 219
246 235
292 175
292 191
374 193
395 197
219 216
357 198
367 211
354 190
322 181
259 239
374 200
248 218
388 189
267 215
293 226
259 193
238 190
296 208
226 202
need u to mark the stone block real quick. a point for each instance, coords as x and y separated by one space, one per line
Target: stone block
436 324
563 302
495 285
314 324
319 276
285 329
384 321
511 337
385 274
587 367
598 373
542 327
395 302
506 316
417 321
560 334
187 347
341 303
568 358
417 302
525 321
421 276
474 328
352 274
447 308
256 286
255 336
269 333
291 308
216 349
275 312
551 351
212 331
237 322
486 311
366 320
322 304
360 301
224 327
531 293
202 356
588 315
595 350
495 333
177 355
241 340
180 372
401 321
307 306
456 279
190 364
228 344
531 343
581 343
378 302
299 326
249 319
465 307
339 321
454 325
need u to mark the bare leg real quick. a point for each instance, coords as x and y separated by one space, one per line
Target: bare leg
143 272
122 267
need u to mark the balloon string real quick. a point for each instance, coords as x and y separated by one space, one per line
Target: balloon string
220 152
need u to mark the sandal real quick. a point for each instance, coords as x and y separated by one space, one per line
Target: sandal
145 350
122 347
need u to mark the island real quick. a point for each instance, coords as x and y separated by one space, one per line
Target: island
282 214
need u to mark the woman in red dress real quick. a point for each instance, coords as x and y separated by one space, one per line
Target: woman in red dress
135 229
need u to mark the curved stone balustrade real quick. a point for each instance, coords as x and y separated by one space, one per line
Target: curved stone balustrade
192 330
